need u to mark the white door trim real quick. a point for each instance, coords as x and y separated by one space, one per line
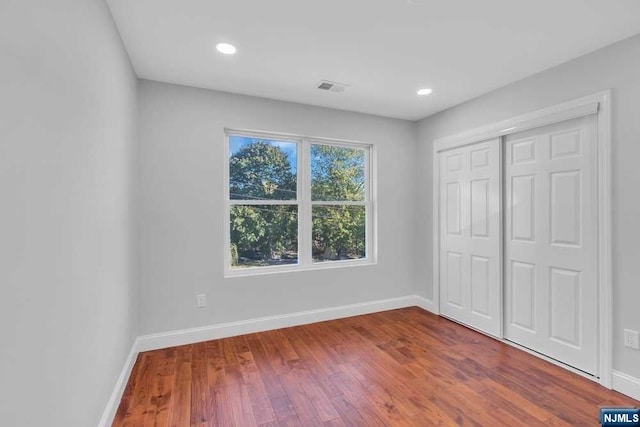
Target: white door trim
598 103
546 116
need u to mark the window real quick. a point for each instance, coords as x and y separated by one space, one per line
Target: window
296 203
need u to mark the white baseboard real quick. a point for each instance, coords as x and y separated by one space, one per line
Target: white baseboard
626 384
114 401
223 330
425 304
622 382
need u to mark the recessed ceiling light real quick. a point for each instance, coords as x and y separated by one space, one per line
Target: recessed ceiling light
425 91
226 48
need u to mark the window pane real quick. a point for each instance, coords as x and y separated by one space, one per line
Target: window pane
263 235
337 173
262 169
338 233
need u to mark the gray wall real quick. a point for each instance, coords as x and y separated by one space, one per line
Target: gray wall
616 67
67 134
181 216
69 118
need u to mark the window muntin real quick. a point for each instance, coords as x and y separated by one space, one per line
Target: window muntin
296 203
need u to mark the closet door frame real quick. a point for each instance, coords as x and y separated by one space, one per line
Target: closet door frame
598 103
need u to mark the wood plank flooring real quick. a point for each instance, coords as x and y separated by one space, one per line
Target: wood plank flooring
399 367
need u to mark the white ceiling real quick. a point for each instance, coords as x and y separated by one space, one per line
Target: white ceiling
384 49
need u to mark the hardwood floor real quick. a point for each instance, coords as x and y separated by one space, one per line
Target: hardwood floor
399 367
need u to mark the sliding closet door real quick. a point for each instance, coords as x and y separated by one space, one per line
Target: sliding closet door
551 297
470 234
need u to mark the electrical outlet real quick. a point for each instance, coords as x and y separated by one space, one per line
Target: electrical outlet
632 339
201 300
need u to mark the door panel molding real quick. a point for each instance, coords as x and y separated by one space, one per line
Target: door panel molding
470 241
564 250
598 103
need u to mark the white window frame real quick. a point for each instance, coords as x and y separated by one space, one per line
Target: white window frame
304 203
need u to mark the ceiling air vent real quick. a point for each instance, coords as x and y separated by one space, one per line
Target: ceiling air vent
332 86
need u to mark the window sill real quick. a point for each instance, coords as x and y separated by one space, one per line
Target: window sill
259 271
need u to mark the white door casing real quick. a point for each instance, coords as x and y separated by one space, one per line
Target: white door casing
470 236
551 292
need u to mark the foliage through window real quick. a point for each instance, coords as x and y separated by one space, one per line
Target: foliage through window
296 203
338 175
